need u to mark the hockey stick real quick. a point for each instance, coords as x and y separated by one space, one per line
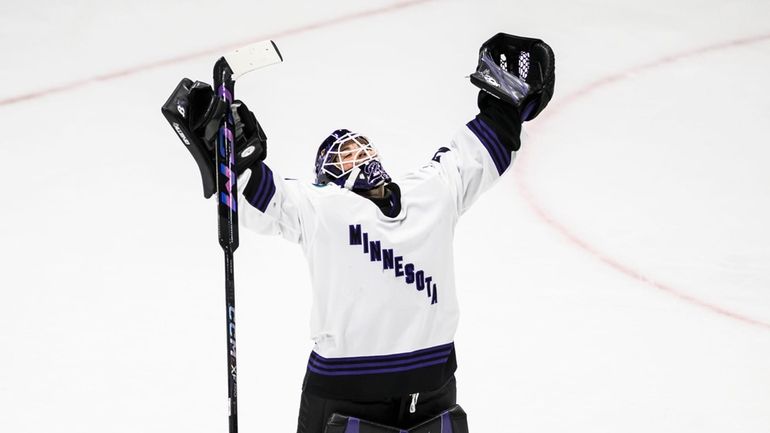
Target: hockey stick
226 70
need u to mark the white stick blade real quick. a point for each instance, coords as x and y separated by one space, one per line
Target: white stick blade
253 56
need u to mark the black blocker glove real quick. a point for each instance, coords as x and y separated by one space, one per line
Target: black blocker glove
195 113
516 77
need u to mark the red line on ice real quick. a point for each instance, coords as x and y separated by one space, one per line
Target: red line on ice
529 198
209 52
627 270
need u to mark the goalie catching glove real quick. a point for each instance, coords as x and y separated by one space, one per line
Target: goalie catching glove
195 113
516 77
518 71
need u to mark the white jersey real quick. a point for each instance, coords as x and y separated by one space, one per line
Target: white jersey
383 288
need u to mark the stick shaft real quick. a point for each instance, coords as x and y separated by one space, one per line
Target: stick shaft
243 60
227 208
232 383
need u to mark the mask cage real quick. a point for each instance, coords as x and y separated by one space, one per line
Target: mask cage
353 149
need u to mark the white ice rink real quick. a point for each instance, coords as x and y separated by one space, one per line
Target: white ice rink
617 279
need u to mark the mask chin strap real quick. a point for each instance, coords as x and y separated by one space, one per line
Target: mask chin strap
352 176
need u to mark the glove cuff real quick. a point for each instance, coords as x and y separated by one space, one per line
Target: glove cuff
503 118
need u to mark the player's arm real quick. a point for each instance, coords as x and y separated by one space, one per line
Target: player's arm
273 205
516 77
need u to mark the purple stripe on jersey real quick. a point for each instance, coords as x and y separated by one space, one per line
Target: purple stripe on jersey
259 170
262 178
404 355
325 366
377 371
503 151
494 144
268 196
353 425
488 141
269 192
222 91
446 423
488 144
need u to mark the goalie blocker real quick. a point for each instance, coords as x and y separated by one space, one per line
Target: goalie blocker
195 114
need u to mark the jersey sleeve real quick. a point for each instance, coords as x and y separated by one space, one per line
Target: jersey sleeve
272 205
473 162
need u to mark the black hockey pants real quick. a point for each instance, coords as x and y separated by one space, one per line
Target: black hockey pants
314 411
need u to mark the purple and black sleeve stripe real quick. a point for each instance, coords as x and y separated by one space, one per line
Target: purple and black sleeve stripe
396 363
500 155
261 187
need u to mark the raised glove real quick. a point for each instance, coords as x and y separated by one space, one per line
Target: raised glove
518 71
195 113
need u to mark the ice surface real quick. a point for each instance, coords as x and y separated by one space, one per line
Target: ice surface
616 280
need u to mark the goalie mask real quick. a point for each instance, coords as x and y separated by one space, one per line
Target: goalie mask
348 160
